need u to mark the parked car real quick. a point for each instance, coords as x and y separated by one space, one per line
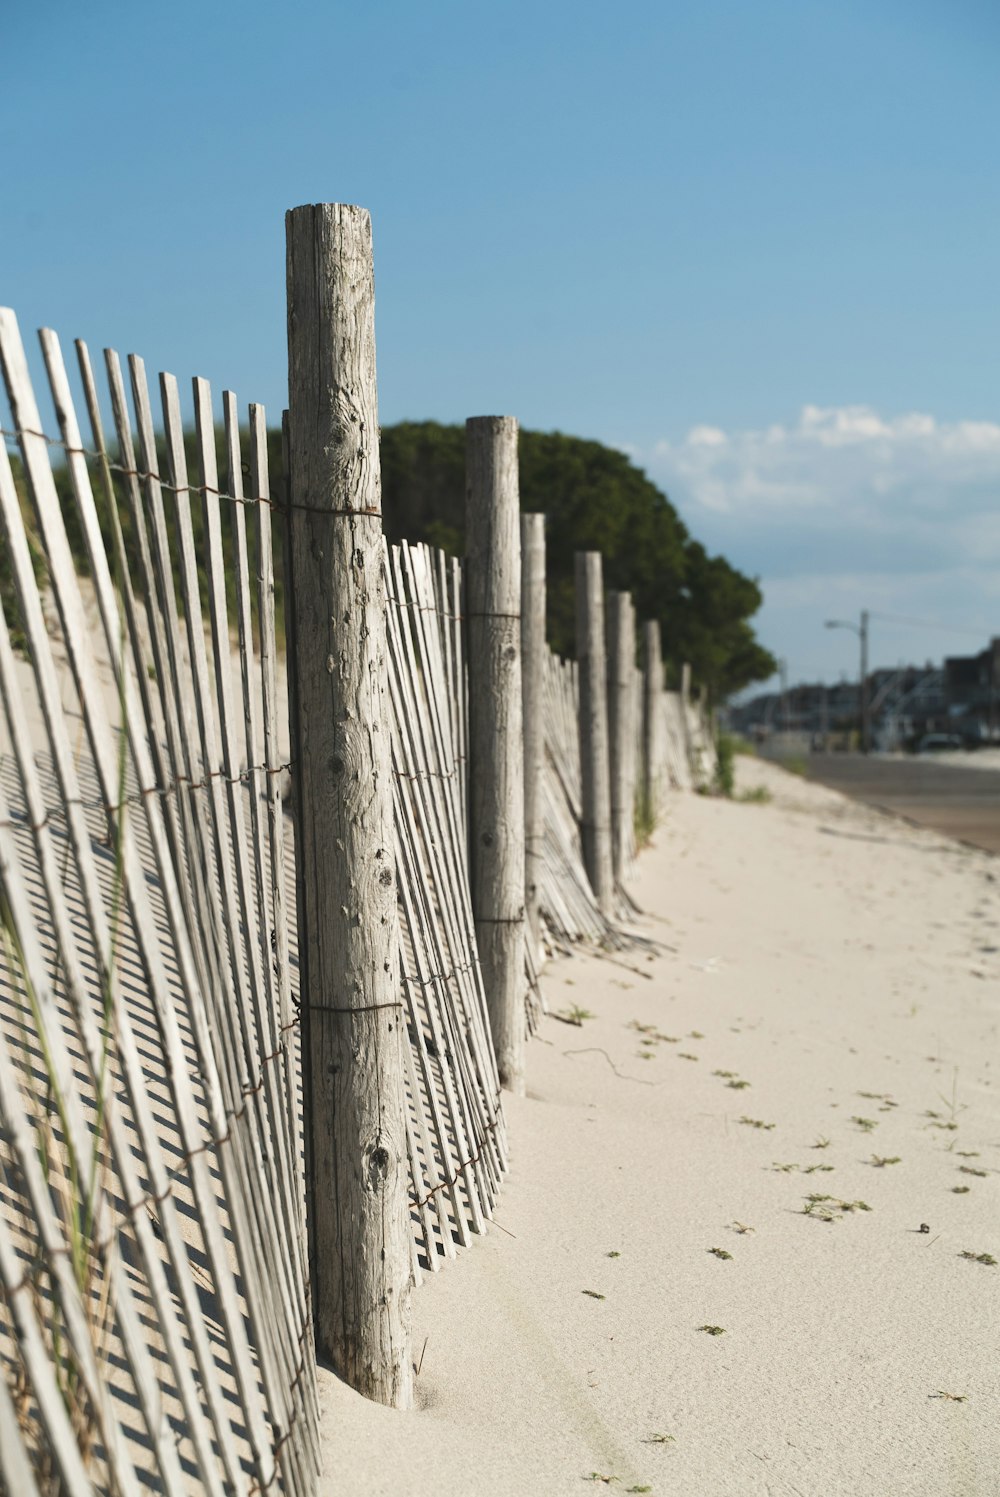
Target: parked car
935 743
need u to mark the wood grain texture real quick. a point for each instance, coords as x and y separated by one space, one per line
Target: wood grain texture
652 749
595 769
532 697
351 1011
496 744
621 664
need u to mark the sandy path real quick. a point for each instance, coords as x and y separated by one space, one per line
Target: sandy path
822 951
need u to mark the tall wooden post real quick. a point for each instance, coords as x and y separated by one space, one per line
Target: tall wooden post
532 683
496 741
652 767
352 1018
595 771
621 663
686 720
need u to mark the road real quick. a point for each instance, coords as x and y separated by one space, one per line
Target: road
962 803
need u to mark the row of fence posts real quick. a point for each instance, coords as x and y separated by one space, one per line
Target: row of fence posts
352 1015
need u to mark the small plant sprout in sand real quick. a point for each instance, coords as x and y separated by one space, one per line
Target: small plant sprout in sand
987 1259
951 1397
719 1253
713 1330
574 1015
830 1209
883 1097
742 1228
960 1190
865 1124
660 1440
879 1161
592 1293
755 1123
821 1143
968 1169
758 795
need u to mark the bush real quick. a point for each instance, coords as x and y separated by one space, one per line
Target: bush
725 753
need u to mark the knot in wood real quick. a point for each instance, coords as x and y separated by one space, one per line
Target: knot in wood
378 1163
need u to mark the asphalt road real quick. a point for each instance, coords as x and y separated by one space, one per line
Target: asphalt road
962 803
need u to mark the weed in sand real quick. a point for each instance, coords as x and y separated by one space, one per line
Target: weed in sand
985 1258
817 1169
821 1143
719 1253
574 1015
952 1103
695 1034
865 1124
755 1123
683 1055
726 1075
660 1440
960 1190
759 795
712 1330
829 1208
879 1161
592 1293
738 1085
967 1169
741 1227
612 1255
967 1153
951 1397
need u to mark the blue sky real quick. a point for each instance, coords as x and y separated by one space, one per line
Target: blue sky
754 244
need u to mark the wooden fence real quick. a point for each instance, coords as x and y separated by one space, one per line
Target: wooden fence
158 1273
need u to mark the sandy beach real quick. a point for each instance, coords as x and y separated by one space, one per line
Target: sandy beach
660 1305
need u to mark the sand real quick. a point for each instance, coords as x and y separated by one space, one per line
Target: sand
845 965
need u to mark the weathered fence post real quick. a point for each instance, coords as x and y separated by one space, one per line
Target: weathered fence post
595 772
496 741
621 663
686 720
352 1018
652 768
532 683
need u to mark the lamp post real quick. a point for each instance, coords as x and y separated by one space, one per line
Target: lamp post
862 632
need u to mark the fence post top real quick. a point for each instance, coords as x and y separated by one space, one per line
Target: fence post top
497 423
331 209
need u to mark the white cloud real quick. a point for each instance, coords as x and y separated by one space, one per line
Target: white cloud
844 467
846 506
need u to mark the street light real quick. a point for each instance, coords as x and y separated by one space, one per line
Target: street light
862 632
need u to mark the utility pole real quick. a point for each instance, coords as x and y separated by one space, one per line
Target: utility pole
865 713
783 668
864 710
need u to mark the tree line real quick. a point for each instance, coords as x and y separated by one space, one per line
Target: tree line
594 498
